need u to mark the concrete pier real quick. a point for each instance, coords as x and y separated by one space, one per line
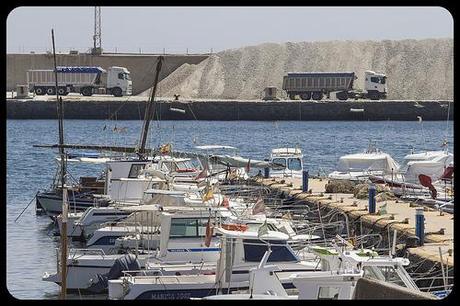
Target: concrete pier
398 215
132 108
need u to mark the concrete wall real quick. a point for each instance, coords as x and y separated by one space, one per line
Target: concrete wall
231 110
142 67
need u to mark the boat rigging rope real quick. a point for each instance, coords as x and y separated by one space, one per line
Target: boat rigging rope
25 208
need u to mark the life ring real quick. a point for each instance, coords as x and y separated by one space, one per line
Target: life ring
235 227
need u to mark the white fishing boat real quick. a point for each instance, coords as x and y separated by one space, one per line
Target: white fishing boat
286 162
124 183
240 251
179 240
359 166
341 268
423 176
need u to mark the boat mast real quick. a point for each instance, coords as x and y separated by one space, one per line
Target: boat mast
149 111
60 114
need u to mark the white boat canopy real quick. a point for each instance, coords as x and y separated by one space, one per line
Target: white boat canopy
237 161
368 161
428 155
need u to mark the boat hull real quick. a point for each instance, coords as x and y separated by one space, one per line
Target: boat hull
51 203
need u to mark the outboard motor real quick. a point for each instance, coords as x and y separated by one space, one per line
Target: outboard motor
124 263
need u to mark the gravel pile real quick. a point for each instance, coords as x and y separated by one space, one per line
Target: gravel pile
416 69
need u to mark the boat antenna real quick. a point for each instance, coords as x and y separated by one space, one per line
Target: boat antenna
447 127
60 113
149 110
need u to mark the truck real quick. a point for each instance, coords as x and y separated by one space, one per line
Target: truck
314 85
81 79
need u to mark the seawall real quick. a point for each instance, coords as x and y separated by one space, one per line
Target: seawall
132 108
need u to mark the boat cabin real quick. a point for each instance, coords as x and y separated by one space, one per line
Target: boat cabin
286 162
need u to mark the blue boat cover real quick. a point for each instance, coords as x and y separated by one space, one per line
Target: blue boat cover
79 69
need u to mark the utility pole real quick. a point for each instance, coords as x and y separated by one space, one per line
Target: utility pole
97 37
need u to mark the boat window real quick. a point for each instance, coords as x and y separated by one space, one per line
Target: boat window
183 165
385 273
294 164
254 227
328 293
254 250
166 166
279 163
135 170
375 80
383 80
188 227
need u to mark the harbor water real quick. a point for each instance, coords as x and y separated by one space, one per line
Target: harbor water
30 241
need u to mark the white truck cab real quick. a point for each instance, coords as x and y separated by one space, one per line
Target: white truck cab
288 162
375 84
119 81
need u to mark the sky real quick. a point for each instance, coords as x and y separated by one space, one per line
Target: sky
213 29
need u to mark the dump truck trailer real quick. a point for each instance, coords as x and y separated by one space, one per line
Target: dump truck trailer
80 79
316 85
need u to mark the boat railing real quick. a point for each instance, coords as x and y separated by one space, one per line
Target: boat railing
76 253
120 224
132 276
447 282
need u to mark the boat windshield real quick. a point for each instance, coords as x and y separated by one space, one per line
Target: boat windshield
385 273
188 227
254 227
184 165
255 249
294 164
279 163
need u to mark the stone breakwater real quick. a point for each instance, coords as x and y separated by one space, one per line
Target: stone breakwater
223 110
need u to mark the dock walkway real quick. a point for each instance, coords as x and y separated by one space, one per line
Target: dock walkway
399 216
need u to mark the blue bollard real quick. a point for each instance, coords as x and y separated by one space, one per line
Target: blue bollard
304 180
266 172
420 225
372 199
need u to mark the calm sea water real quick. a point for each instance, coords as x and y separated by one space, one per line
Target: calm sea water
30 244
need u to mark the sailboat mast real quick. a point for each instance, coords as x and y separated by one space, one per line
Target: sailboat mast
63 187
150 109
